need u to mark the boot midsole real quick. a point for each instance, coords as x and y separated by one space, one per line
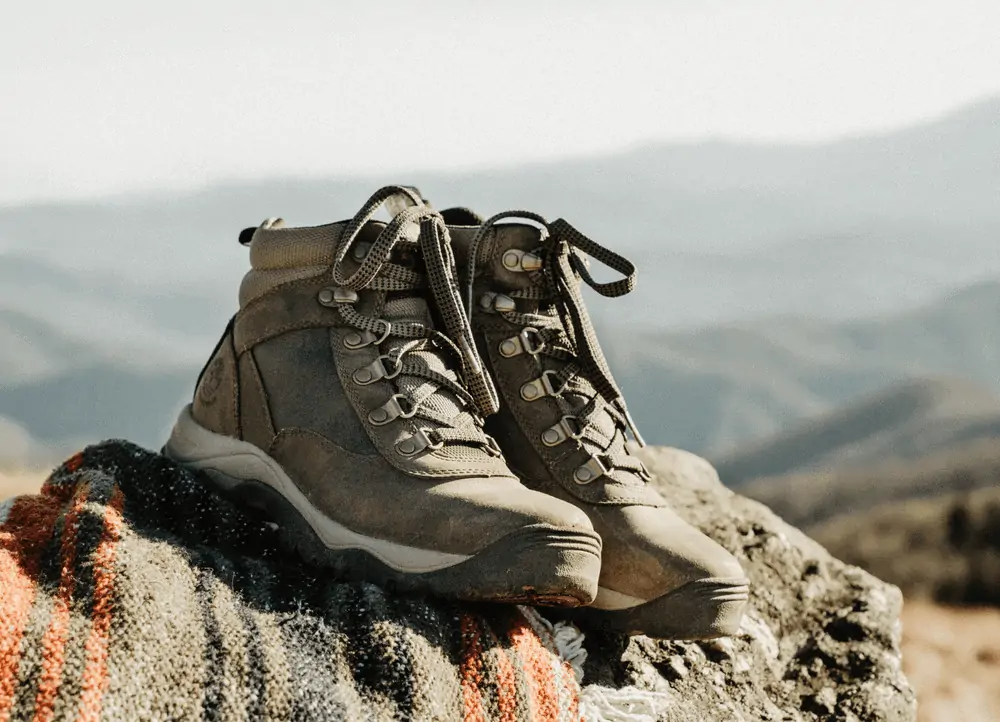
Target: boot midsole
230 461
712 590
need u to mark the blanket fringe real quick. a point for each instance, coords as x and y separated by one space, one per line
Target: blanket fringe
597 703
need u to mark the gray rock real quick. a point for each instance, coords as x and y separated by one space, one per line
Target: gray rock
820 640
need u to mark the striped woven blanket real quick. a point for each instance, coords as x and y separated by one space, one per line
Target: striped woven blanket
128 591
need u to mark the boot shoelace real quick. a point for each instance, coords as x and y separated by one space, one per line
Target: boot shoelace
473 388
561 329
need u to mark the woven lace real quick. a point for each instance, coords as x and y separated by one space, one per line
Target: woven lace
471 385
566 332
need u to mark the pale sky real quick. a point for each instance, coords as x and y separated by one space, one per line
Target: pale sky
112 96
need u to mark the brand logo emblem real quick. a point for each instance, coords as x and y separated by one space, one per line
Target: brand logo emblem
211 382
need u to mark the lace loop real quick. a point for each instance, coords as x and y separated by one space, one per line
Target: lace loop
564 231
574 340
419 226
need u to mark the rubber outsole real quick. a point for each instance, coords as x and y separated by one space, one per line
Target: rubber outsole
701 609
538 564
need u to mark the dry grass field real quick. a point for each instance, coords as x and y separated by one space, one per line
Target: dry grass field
952 658
944 548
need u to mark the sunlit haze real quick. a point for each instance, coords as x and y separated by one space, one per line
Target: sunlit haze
113 96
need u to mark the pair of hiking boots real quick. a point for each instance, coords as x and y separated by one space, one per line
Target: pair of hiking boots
422 403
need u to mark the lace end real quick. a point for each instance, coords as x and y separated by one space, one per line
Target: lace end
633 428
471 357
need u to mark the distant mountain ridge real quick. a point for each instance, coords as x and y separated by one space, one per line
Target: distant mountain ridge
30 348
810 276
811 499
944 544
712 391
722 231
907 421
722 388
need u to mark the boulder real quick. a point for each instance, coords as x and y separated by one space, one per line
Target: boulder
821 639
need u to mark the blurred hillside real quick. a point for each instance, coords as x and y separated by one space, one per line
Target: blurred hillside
725 387
812 498
907 421
811 275
723 231
945 548
707 391
930 524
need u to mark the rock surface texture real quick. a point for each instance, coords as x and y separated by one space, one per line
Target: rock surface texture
821 640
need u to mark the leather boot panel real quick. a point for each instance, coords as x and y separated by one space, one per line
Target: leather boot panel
655 551
255 415
304 390
291 307
215 403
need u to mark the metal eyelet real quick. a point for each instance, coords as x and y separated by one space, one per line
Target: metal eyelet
391 410
516 345
591 471
503 304
517 261
337 296
542 386
491 302
420 441
493 447
510 347
562 431
358 339
361 250
375 371
361 339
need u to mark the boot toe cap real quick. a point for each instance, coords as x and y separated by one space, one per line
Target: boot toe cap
665 578
650 552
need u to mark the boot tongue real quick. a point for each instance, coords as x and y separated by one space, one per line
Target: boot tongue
499 238
415 308
461 217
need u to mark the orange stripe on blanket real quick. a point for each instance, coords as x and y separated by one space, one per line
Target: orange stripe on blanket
471 671
95 673
54 639
23 537
537 671
506 686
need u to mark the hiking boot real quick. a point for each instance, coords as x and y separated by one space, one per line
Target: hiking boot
563 424
345 400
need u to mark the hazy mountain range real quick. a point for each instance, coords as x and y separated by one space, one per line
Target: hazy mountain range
723 231
907 421
786 280
721 387
708 391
